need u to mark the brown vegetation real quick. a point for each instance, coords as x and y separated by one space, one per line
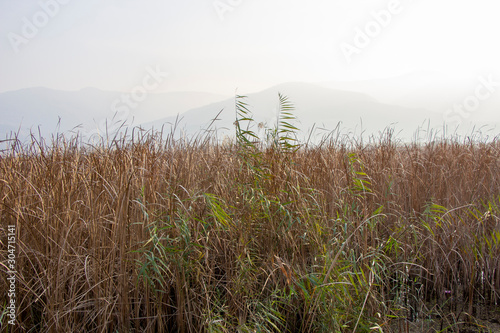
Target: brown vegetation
161 235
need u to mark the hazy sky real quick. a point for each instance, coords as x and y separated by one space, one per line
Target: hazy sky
221 45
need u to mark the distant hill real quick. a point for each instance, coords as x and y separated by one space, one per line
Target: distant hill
431 91
315 105
28 109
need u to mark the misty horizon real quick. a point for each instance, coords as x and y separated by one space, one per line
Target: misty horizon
405 55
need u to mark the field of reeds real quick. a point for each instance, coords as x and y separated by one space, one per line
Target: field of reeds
148 233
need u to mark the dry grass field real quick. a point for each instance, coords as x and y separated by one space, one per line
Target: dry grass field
153 234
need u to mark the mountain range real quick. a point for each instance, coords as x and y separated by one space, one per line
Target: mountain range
404 103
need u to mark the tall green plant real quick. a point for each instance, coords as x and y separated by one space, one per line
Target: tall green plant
245 137
284 135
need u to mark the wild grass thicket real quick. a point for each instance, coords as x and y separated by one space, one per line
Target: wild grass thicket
162 235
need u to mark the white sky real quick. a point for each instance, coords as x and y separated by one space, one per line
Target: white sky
258 43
